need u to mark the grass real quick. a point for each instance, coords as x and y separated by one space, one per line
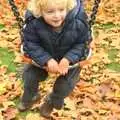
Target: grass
112 52
23 115
2 26
7 58
114 66
112 55
106 26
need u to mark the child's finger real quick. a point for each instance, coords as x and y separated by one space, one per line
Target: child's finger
64 71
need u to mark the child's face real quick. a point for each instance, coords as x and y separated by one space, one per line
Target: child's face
54 14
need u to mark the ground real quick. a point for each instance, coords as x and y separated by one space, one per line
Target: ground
96 96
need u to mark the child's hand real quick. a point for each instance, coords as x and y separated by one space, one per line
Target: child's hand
63 66
52 66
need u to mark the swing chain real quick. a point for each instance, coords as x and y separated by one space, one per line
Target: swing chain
94 13
16 14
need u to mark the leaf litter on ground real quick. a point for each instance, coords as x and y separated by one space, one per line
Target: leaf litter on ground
96 96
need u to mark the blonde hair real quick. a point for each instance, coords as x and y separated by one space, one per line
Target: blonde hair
36 6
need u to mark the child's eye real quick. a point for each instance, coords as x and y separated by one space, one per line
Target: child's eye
50 11
62 9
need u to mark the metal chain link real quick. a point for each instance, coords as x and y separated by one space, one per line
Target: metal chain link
16 13
94 13
91 22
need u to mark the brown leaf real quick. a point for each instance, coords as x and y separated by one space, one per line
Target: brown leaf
88 103
10 113
7 104
3 69
103 89
1 116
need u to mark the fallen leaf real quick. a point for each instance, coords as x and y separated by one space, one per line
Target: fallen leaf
33 116
7 104
10 113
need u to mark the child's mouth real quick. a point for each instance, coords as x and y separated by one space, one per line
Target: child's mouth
56 21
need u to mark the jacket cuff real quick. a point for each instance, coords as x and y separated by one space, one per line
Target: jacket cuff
44 61
72 60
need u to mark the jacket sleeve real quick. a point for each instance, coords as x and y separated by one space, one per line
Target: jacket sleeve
31 45
79 50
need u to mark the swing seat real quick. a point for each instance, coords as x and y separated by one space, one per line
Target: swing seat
27 60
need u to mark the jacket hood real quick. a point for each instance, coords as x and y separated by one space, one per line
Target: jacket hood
77 11
74 11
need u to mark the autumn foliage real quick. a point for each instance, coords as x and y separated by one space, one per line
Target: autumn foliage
96 96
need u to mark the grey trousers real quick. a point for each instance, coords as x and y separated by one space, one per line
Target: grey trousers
63 85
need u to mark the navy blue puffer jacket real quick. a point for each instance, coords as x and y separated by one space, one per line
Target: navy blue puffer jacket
41 43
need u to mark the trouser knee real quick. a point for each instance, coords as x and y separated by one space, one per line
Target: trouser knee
63 86
32 75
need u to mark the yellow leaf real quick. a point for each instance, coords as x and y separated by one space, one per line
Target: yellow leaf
117 93
33 116
7 104
1 116
2 88
102 112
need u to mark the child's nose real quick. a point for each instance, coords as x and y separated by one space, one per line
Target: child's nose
57 14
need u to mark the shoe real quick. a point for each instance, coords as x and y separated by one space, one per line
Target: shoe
24 106
46 108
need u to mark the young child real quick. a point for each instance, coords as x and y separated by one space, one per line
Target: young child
54 39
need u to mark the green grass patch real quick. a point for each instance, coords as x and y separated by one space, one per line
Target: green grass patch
2 26
24 114
107 26
6 58
112 54
114 66
16 100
